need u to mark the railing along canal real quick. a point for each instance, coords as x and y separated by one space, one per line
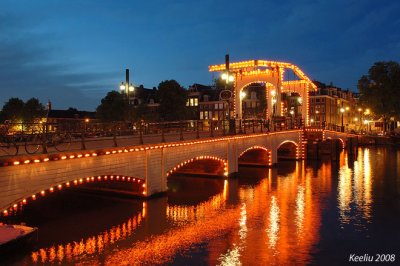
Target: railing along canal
70 135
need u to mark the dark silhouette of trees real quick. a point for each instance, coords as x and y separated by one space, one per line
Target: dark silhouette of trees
380 89
16 110
32 109
12 110
113 107
172 100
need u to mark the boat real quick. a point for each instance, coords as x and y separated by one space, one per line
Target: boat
16 237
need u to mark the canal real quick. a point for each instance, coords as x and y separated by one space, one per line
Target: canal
298 213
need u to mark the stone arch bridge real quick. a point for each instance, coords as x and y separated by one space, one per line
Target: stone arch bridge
145 168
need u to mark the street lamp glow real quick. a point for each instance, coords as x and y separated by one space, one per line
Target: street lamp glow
242 94
122 86
347 108
231 78
300 100
131 88
367 111
342 110
359 109
224 76
273 92
291 112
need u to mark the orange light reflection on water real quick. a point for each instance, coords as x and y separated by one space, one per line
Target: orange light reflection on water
95 244
287 210
355 190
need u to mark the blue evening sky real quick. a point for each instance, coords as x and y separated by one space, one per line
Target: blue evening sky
73 52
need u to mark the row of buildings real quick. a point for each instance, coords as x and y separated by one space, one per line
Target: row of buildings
329 107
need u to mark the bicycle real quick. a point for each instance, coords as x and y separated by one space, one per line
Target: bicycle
61 141
8 143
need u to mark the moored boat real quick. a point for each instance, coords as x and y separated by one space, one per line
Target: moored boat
16 237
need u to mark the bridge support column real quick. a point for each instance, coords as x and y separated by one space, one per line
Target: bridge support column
156 181
232 157
274 155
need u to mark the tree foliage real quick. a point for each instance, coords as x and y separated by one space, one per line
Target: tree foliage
380 89
12 109
32 109
16 110
113 107
172 100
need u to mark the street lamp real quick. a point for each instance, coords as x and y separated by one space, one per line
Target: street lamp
291 118
273 94
342 111
274 101
360 117
126 86
228 79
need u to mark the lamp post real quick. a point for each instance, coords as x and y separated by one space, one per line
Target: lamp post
360 117
291 118
228 79
127 87
242 96
348 120
342 111
273 94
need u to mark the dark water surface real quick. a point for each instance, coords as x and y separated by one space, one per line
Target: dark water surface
297 213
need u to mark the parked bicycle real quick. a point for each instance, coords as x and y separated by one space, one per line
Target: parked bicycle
41 139
8 144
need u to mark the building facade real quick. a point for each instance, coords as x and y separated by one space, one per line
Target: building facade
334 108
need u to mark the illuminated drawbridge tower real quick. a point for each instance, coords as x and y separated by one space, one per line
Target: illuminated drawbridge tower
270 73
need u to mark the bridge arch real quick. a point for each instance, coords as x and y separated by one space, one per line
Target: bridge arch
243 84
288 149
138 184
186 166
342 141
256 156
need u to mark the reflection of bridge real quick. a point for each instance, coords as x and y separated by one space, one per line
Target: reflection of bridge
145 168
90 245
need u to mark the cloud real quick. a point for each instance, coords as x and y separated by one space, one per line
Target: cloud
29 67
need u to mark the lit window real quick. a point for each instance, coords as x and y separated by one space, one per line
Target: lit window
191 101
201 115
196 102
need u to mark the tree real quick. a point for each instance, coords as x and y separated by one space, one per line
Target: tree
32 109
12 110
144 112
113 107
380 89
172 100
